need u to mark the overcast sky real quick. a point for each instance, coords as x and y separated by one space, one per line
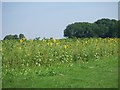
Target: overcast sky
49 19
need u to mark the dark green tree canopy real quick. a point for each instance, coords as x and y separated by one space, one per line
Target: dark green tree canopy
13 37
21 36
101 28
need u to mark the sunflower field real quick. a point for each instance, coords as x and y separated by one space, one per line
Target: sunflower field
24 60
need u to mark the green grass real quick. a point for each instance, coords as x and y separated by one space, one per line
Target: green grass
94 74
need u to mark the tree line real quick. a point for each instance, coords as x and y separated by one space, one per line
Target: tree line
14 37
101 28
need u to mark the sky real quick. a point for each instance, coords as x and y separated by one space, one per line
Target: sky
49 19
60 0
0 20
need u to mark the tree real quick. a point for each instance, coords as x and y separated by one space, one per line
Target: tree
13 37
79 30
21 36
37 38
8 37
69 32
107 27
101 28
118 28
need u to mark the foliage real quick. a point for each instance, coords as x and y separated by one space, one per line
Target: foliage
14 37
52 59
101 28
21 36
9 37
37 38
52 51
